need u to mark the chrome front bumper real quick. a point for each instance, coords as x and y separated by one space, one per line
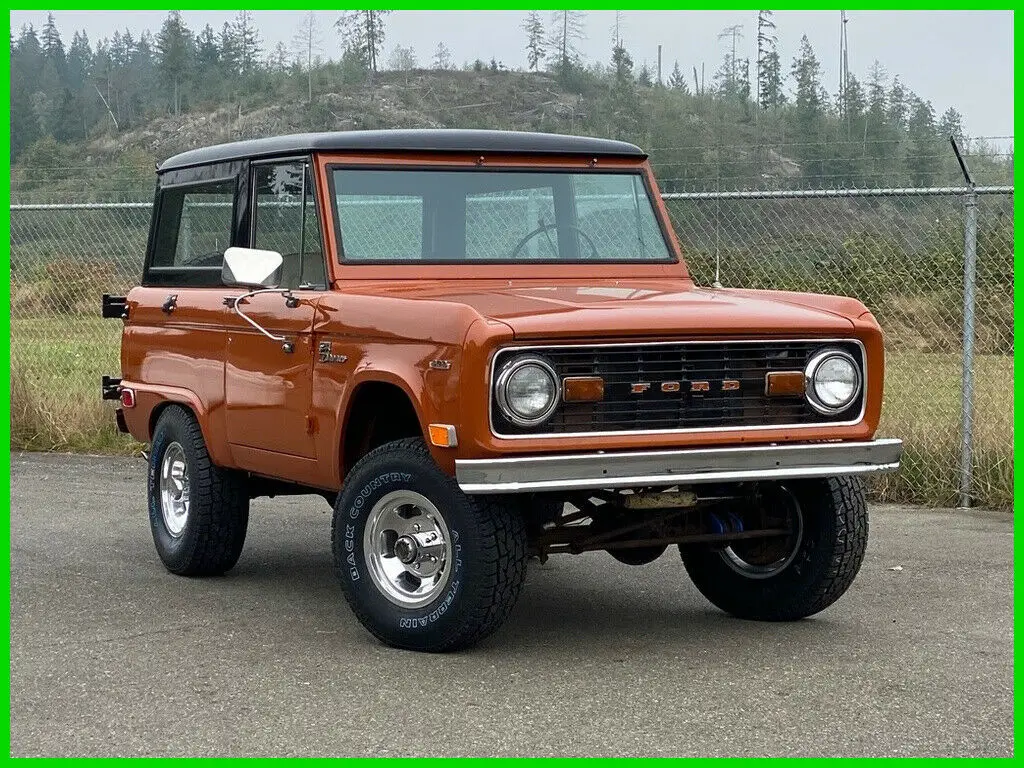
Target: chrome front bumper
569 472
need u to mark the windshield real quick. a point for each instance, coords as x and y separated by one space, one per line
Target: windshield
388 216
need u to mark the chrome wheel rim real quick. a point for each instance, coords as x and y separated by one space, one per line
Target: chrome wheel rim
778 553
407 548
174 490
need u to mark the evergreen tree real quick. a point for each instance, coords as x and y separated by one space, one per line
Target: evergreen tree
53 48
622 63
952 124
743 85
771 95
924 159
807 75
26 61
847 156
207 53
69 122
442 58
898 105
278 60
174 55
765 49
676 81
877 103
362 33
854 106
535 42
143 74
248 43
809 112
79 61
645 79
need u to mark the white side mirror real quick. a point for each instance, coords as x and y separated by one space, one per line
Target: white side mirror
251 268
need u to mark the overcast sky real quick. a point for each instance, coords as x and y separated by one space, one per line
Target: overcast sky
962 59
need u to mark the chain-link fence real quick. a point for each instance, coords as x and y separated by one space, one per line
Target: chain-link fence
901 252
904 252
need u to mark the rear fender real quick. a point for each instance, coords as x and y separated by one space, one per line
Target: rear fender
150 400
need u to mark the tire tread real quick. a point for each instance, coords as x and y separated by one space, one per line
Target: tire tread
836 565
505 552
220 502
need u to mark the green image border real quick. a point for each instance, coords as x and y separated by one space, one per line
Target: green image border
500 5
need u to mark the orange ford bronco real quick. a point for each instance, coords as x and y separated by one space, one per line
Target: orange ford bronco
483 346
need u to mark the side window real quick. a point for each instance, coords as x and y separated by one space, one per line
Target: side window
193 231
285 220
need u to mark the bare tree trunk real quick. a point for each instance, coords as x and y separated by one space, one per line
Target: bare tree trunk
565 41
107 105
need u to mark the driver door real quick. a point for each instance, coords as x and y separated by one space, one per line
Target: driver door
268 381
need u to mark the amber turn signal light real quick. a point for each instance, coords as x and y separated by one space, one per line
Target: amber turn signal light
582 389
443 435
784 383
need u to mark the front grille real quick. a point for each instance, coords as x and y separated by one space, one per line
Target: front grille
720 384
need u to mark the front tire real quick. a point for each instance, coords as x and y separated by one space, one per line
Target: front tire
815 566
423 566
198 512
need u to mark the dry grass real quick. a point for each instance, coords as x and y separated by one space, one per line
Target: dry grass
56 366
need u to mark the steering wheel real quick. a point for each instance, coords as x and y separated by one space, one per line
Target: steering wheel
544 229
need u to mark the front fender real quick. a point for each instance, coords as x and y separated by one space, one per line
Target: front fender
432 390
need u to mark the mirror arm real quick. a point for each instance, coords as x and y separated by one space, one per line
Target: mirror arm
234 301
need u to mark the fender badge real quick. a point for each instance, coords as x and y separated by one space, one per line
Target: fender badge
326 356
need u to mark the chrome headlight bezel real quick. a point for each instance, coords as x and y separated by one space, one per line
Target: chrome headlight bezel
810 373
501 383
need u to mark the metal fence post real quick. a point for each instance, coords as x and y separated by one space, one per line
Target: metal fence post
967 376
967 396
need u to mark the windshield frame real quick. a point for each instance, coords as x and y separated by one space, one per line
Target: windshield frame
598 166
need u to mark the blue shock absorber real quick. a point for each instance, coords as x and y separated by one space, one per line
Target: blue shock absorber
735 524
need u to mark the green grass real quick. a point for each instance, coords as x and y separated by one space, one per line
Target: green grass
56 364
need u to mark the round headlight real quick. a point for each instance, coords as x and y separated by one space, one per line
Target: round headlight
527 391
832 381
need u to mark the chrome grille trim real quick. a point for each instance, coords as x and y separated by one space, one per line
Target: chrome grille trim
540 348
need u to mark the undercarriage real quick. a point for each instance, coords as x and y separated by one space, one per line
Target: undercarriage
758 522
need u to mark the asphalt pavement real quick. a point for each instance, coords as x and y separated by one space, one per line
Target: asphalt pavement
111 655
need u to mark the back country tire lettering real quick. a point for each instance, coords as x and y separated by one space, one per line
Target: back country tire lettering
487 559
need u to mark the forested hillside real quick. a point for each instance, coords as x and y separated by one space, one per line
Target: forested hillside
115 106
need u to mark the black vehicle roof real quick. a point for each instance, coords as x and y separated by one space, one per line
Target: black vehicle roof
410 140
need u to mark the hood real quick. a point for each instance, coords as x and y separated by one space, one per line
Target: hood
616 308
